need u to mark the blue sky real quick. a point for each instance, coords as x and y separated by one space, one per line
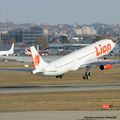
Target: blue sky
60 11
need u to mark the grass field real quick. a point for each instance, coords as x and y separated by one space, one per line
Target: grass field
90 100
86 100
13 78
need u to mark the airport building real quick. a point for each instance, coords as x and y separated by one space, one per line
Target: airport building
10 35
85 31
30 36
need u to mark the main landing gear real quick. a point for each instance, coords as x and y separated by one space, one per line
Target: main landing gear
59 76
87 75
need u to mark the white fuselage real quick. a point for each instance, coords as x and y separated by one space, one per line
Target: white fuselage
7 52
78 59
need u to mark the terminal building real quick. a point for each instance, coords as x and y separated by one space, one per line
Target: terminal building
10 35
85 31
30 36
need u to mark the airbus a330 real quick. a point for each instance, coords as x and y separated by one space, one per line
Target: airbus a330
84 57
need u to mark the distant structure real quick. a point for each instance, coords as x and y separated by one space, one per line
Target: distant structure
30 36
85 31
13 34
30 32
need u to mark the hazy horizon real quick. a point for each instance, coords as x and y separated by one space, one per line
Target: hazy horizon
60 11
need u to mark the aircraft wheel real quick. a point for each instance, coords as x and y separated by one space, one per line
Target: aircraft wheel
60 76
87 77
89 74
84 77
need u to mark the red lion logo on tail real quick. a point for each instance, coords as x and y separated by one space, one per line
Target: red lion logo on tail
37 60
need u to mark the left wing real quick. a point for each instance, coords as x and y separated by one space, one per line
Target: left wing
107 61
104 64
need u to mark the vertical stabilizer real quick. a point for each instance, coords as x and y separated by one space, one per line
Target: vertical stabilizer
39 63
10 51
12 48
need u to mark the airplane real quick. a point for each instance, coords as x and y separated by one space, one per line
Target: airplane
7 52
83 58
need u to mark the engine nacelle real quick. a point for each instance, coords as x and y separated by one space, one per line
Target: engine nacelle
106 67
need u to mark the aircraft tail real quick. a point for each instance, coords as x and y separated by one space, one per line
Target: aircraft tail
11 51
39 63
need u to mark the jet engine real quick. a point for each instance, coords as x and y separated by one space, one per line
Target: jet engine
106 67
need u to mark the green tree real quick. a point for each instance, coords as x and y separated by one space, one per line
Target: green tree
1 41
64 39
12 40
